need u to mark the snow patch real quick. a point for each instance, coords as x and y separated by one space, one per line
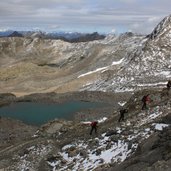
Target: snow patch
102 69
117 153
101 120
91 72
160 126
117 62
121 103
152 84
152 114
124 90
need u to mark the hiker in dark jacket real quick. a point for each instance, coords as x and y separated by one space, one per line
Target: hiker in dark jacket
169 85
94 127
122 112
145 100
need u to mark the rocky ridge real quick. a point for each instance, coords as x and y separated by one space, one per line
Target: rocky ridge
148 65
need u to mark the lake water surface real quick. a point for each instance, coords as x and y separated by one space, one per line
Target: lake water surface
40 113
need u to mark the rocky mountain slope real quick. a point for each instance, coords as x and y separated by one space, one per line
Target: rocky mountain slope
112 70
139 143
146 66
118 63
33 65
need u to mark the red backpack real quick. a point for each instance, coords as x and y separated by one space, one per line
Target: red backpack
146 98
94 123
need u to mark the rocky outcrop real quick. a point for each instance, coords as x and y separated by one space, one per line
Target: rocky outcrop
162 28
7 98
152 154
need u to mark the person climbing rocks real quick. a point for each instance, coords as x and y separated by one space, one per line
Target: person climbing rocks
122 112
146 99
168 87
169 84
93 127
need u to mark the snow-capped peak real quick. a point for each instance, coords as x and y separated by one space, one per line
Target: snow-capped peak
163 27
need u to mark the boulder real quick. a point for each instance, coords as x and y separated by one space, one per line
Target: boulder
111 132
83 153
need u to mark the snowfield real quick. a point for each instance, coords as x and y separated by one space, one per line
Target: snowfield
108 151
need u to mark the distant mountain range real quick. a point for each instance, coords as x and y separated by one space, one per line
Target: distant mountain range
65 36
15 34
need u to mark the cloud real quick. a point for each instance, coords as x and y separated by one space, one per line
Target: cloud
135 15
54 26
113 30
153 19
128 1
4 29
147 26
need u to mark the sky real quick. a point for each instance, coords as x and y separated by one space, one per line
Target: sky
103 16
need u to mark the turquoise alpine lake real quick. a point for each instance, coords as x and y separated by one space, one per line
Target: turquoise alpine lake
40 113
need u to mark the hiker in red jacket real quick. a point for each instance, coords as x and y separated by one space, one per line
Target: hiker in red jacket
93 127
146 99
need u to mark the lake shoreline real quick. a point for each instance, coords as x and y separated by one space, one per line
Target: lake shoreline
109 98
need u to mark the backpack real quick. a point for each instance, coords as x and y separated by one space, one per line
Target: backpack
146 99
122 111
93 123
169 84
143 99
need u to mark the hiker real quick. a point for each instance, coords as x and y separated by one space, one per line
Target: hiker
122 112
94 127
145 100
169 85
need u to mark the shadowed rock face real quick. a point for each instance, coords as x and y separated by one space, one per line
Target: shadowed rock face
162 28
15 34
